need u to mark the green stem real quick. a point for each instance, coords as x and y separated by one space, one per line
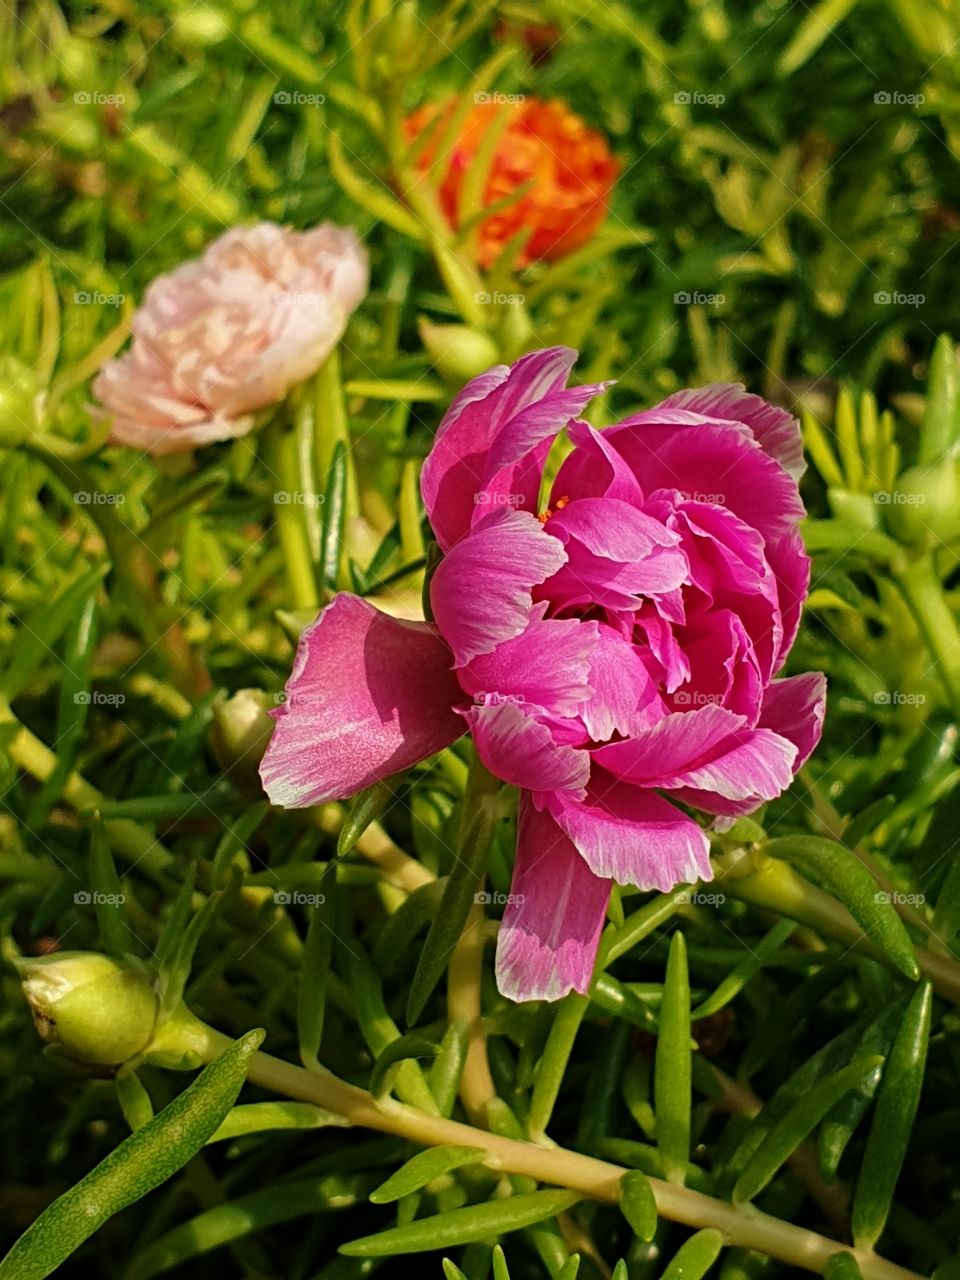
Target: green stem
292 527
923 591
465 975
777 887
554 1166
332 427
553 1063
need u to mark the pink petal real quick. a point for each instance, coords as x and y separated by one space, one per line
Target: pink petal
713 460
594 469
723 666
615 555
546 666
676 743
756 764
624 699
707 749
551 927
522 751
795 709
490 447
369 695
776 429
633 836
791 565
664 647
481 592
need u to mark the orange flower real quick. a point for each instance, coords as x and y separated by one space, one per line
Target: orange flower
568 164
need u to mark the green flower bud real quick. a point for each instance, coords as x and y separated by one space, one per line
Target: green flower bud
18 401
941 420
924 503
241 731
457 352
98 1011
201 26
404 42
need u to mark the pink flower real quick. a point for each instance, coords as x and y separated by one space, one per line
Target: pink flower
230 333
611 657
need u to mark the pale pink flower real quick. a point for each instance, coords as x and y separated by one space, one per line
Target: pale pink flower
230 333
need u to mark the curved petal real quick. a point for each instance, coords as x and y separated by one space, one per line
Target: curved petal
731 468
481 592
776 430
594 469
369 695
755 764
795 708
546 666
551 928
723 666
615 555
624 698
491 445
632 835
522 751
791 564
678 742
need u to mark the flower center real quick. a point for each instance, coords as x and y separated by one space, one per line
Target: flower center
544 516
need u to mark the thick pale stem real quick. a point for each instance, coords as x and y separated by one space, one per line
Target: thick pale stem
465 976
464 1009
398 868
554 1166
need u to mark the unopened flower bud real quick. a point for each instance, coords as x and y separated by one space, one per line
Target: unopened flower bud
457 352
925 503
98 1011
201 26
404 42
241 731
